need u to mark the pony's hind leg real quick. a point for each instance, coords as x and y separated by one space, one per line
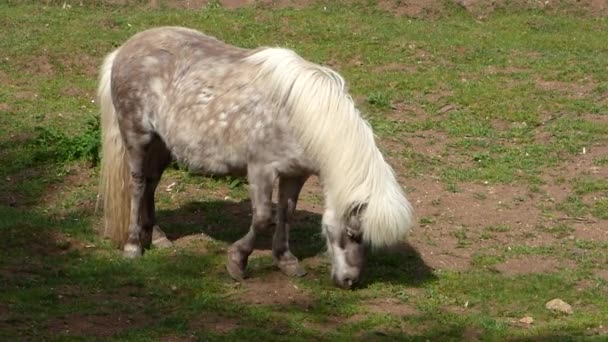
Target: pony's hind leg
289 190
137 184
260 191
157 159
146 159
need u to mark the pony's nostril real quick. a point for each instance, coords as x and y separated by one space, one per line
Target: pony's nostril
347 283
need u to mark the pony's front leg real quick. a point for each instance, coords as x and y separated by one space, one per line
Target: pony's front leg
289 190
260 191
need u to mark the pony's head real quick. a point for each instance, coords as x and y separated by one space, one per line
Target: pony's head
345 246
382 221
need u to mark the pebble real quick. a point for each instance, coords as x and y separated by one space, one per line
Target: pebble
559 306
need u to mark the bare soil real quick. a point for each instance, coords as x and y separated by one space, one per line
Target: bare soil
532 264
389 306
603 274
103 324
575 90
93 325
214 322
230 4
406 8
274 289
4 315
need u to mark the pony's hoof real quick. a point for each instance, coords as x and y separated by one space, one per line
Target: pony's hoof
235 272
292 270
162 242
132 251
236 264
159 239
290 266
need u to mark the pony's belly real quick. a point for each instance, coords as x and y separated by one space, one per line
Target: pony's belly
207 156
214 161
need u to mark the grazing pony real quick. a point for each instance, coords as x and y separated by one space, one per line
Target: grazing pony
174 93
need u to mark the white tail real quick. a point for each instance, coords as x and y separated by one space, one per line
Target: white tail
114 184
342 144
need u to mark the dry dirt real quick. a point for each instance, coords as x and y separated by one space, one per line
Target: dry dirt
390 306
408 8
274 289
532 264
214 322
230 4
478 211
106 324
92 325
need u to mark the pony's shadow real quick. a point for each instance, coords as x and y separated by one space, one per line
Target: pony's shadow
401 264
228 221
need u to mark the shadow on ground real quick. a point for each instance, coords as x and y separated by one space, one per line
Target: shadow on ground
227 221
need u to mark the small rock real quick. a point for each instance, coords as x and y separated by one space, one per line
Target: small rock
446 108
527 320
173 288
170 186
519 125
559 306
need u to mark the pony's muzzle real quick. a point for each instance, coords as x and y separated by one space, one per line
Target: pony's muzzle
346 282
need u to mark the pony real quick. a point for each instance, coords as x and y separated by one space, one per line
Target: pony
174 93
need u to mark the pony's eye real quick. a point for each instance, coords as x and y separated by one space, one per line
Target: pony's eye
354 236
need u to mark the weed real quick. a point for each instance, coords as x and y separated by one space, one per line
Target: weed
63 148
461 235
600 161
560 230
424 221
480 196
499 228
573 206
379 99
587 185
600 208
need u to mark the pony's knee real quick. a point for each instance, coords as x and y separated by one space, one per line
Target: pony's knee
262 219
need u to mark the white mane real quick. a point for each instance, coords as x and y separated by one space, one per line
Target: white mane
335 136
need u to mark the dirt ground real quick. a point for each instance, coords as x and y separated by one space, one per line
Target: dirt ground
409 8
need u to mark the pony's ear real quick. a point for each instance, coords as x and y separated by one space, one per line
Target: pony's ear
353 221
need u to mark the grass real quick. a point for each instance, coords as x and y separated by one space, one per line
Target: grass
506 102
